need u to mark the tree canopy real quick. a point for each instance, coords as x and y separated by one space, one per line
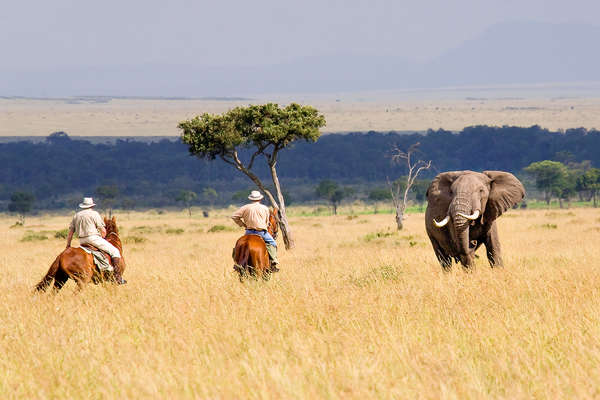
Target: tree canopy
263 129
21 203
550 177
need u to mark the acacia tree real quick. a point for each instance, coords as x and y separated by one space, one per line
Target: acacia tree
400 188
589 182
21 203
377 195
265 130
332 192
550 177
187 197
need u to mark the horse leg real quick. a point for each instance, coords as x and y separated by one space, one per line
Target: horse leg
60 279
266 275
82 279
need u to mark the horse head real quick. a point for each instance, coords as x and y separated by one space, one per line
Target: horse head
111 225
273 227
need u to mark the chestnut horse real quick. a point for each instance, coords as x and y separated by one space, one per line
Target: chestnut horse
250 253
77 264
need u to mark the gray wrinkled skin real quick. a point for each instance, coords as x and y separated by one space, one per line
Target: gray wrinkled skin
491 193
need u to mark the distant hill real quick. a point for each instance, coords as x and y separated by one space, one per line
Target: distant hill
508 53
521 53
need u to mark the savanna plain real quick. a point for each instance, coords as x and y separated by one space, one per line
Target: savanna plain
359 310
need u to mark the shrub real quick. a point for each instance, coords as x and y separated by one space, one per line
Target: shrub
220 228
33 237
174 231
62 234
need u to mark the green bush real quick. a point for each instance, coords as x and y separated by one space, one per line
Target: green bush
174 231
62 234
220 228
34 237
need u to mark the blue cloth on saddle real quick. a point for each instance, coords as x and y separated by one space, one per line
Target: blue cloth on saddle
266 236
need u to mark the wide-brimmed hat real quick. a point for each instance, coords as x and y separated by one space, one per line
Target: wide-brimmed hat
87 203
255 195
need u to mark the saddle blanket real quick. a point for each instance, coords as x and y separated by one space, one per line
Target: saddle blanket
100 259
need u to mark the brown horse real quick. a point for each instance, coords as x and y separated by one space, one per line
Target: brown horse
250 253
77 264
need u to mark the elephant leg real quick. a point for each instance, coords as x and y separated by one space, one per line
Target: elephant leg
444 259
492 247
468 261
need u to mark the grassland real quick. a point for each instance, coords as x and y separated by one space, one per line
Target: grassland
344 113
358 311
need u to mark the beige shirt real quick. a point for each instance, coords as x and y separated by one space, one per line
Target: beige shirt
87 223
252 216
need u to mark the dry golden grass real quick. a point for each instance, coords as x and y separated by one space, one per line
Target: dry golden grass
353 314
133 117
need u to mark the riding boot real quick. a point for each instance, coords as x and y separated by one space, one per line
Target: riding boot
272 250
118 271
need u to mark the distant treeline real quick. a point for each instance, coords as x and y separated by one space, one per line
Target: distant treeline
59 170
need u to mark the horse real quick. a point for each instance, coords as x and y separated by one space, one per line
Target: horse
250 253
77 264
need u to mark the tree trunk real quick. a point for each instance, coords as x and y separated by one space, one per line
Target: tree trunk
400 216
594 198
560 202
286 230
334 208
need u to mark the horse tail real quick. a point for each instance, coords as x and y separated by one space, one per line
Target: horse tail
244 256
47 280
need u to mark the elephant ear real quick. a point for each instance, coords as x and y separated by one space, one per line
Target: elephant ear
505 191
439 193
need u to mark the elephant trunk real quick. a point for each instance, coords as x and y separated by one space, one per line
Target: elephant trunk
461 210
464 209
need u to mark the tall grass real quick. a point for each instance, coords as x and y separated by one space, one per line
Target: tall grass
345 318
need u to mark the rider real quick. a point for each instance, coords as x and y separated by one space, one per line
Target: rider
255 218
90 229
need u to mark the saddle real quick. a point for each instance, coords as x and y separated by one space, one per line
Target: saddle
102 259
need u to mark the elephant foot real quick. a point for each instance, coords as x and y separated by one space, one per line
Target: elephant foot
468 262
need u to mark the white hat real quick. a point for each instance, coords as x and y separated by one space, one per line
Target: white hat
87 203
255 195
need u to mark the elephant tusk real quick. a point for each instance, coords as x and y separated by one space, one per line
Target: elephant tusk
442 223
475 215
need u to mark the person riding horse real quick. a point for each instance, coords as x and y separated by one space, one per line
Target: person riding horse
255 218
90 229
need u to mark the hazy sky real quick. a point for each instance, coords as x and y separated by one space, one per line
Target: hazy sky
58 33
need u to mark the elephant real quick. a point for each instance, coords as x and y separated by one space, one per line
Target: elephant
461 214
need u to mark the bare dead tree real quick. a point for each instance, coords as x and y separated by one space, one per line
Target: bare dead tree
400 199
